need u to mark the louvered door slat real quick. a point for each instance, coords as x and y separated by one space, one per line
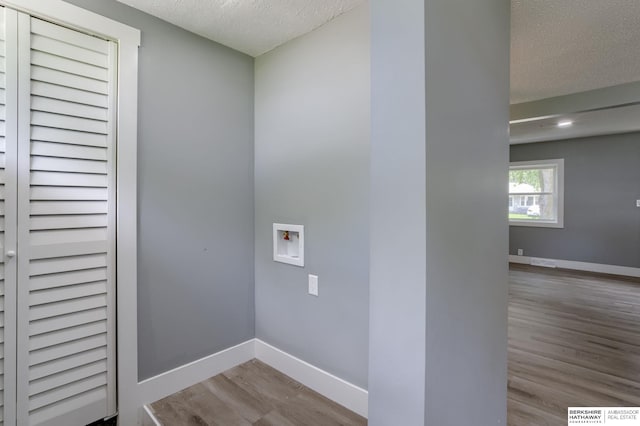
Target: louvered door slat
61 150
68 36
83 403
48 60
66 236
67 249
73 165
68 179
68 278
68 334
66 307
57 265
47 134
67 349
76 291
68 376
66 271
69 94
59 394
68 222
38 103
66 79
67 207
70 320
66 122
69 51
60 193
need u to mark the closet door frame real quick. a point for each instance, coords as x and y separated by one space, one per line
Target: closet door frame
11 217
128 40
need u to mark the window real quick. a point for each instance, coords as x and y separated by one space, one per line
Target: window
536 193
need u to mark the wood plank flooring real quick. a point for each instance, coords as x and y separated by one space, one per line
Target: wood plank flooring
251 394
574 340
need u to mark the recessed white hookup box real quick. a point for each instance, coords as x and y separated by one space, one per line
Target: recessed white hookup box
288 244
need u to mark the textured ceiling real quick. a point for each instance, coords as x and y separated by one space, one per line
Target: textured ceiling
560 47
250 26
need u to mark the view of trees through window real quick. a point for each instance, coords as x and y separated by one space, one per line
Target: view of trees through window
531 193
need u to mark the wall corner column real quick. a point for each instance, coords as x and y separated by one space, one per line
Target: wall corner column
439 160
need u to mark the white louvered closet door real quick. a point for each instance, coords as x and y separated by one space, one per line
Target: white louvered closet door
66 226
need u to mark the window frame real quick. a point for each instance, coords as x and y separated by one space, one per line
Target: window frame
558 193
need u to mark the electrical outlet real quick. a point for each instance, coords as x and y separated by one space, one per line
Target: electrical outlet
637 203
313 285
520 252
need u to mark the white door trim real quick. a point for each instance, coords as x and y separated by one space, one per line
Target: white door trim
11 216
128 40
73 16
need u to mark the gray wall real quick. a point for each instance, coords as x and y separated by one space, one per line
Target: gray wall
602 184
312 168
195 186
397 319
467 153
438 229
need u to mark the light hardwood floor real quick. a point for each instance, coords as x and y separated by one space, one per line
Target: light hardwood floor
252 394
574 340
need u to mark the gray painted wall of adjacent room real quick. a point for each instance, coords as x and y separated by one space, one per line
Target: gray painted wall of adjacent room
602 184
195 186
438 274
312 169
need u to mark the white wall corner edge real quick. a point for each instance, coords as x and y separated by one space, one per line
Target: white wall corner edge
147 418
344 393
577 266
155 388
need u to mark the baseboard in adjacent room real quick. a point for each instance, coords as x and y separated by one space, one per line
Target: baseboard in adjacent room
577 266
344 393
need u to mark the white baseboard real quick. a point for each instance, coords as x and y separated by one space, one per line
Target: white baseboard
344 393
165 384
155 388
578 266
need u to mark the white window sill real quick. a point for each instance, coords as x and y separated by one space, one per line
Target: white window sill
536 224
